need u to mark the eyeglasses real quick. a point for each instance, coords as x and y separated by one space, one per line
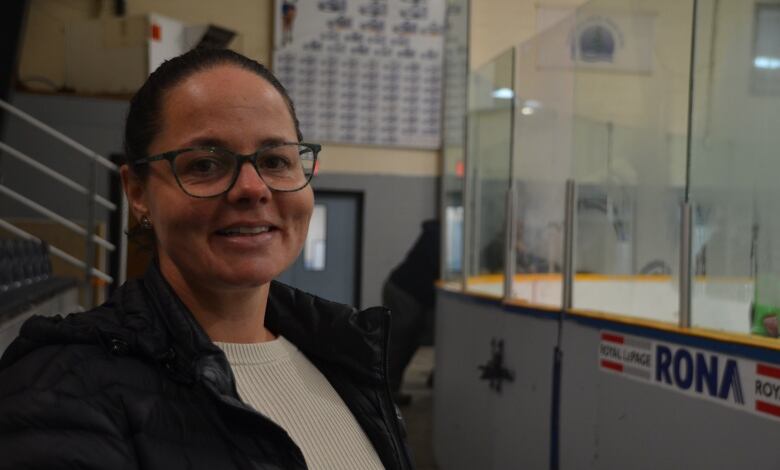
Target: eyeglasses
205 172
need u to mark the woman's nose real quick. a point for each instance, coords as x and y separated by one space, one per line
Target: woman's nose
248 185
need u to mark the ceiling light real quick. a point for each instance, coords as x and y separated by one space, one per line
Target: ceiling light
503 94
764 62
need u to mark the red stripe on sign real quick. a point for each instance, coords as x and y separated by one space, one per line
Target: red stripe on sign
769 371
768 408
156 32
612 338
612 365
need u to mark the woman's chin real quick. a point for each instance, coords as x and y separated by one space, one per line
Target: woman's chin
245 277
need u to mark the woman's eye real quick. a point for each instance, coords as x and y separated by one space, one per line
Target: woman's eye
273 162
204 165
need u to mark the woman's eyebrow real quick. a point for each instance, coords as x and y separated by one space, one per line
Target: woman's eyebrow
208 142
272 141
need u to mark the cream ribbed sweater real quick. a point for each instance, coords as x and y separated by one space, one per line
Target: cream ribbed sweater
278 381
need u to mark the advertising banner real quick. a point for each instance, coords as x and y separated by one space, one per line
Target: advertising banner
745 385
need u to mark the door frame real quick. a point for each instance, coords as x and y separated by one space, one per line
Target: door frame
358 196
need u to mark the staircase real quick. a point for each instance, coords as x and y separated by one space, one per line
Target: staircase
93 281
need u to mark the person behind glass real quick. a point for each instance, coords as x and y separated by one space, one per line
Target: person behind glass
206 362
409 293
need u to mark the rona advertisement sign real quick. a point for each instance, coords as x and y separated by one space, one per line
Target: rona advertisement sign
742 384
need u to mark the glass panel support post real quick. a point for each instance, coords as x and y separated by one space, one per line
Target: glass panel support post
686 244
509 245
468 216
569 227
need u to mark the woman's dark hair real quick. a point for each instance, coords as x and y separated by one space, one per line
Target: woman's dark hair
144 117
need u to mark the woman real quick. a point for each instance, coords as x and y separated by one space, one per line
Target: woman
206 362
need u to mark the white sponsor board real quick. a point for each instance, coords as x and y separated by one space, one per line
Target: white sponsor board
749 386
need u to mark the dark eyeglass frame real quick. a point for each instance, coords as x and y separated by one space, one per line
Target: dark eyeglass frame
240 159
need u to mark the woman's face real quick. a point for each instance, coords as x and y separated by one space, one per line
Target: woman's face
197 243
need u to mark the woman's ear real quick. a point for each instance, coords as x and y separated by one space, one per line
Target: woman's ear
135 192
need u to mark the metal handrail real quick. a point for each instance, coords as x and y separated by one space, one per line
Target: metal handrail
56 251
90 191
58 135
57 176
54 216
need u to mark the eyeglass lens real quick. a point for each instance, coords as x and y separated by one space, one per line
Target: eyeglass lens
209 172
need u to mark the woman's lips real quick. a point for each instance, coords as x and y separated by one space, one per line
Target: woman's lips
247 238
245 230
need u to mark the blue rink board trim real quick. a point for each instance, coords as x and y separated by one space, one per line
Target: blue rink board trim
508 308
756 353
531 311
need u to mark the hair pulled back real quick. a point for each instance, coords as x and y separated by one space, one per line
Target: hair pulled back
144 117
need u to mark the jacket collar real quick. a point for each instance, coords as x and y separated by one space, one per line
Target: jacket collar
330 332
324 331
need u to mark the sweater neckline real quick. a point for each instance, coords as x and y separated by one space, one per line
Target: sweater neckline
257 353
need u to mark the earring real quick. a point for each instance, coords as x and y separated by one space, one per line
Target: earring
146 222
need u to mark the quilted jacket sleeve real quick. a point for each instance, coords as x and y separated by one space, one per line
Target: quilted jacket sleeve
54 414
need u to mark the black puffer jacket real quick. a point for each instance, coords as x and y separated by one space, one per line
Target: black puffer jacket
136 383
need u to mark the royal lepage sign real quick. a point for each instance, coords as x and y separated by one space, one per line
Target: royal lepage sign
749 386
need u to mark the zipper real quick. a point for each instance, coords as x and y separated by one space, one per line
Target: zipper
391 418
235 403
